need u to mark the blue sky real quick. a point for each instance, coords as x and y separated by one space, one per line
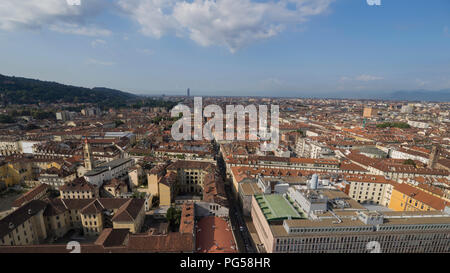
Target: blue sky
230 47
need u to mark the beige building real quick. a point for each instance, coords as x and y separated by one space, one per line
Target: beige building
115 187
372 189
190 175
131 216
168 190
369 112
56 178
136 176
39 220
25 225
153 178
79 189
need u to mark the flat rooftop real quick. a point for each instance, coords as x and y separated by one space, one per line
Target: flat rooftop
349 219
277 207
250 188
105 166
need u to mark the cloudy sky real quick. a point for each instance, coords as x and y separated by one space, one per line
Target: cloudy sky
229 47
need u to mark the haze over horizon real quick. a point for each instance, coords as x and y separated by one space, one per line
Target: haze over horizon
280 48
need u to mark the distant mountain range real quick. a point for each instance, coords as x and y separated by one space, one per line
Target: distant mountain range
421 95
412 95
17 90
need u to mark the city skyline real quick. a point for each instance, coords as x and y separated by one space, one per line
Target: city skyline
314 48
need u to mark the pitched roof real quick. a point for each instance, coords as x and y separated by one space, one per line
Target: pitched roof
214 235
129 211
426 198
79 184
27 197
20 216
113 237
94 207
172 242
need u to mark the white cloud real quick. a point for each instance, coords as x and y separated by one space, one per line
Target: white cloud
56 15
99 62
230 23
446 31
146 51
98 42
366 78
80 30
362 78
151 15
421 82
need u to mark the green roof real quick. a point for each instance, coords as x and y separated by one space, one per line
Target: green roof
277 207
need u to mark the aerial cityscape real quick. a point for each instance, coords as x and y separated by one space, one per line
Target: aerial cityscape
212 142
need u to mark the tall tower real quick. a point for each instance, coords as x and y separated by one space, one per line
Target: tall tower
88 164
189 92
434 156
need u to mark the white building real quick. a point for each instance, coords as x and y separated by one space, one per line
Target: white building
109 170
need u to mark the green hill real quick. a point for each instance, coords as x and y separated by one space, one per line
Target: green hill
16 90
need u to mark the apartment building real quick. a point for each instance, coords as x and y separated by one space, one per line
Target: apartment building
191 175
121 240
372 189
37 193
56 178
40 220
114 169
25 225
408 198
79 189
355 231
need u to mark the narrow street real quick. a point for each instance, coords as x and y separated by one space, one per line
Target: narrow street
240 230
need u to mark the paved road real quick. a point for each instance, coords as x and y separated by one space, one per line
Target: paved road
240 231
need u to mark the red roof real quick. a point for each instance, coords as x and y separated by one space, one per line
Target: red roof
214 235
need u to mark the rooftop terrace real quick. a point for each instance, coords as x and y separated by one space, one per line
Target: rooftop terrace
277 207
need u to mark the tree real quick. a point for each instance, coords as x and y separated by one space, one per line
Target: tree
402 125
174 217
409 162
118 123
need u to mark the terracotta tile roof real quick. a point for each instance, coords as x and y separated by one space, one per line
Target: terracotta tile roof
214 235
169 179
181 164
213 189
94 207
172 242
79 184
113 237
421 196
129 211
54 207
187 218
367 178
27 197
